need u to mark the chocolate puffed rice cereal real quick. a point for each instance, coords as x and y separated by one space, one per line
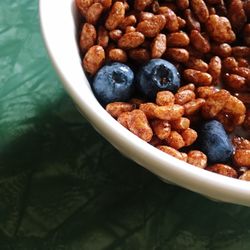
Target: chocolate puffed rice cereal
207 41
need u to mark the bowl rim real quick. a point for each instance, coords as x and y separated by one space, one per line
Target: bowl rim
52 15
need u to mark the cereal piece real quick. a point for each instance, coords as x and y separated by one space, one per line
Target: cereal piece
175 140
241 51
182 4
242 71
241 157
164 98
189 86
229 63
159 46
221 50
139 54
214 69
117 108
182 97
172 23
205 91
94 59
116 16
245 176
128 21
115 34
180 124
234 81
145 16
103 37
153 26
200 9
149 109
199 42
161 128
88 36
197 158
243 62
130 29
197 77
236 14
94 13
83 6
223 170
197 64
191 21
161 20
142 4
173 152
219 29
234 106
138 125
131 40
169 112
178 39
123 119
126 5
118 55
215 103
241 143
189 136
193 106
177 54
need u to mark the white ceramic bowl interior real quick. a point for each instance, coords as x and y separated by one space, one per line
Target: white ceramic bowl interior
59 27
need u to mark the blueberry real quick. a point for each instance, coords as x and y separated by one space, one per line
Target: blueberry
113 82
157 75
214 142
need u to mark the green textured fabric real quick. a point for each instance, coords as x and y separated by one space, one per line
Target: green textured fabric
63 187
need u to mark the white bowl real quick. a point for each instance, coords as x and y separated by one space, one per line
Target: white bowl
59 26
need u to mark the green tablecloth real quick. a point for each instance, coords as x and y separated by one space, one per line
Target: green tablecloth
63 187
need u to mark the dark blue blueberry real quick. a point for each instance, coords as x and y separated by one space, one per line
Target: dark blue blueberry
157 75
113 82
214 142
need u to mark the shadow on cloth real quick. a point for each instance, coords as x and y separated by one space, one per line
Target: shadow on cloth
62 186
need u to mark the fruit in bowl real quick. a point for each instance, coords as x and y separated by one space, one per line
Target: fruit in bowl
113 82
173 74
